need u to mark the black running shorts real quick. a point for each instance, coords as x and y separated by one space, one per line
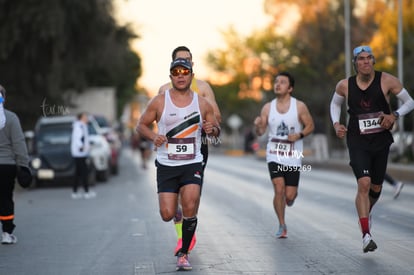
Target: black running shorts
366 162
291 174
172 178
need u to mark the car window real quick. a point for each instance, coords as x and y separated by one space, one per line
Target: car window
102 121
92 129
54 135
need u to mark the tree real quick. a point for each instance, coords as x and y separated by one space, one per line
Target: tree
51 46
313 50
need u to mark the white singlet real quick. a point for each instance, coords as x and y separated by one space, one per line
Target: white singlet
182 126
279 149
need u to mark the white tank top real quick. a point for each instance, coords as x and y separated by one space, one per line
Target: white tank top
279 149
182 126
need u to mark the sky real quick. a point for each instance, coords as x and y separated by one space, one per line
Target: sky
165 24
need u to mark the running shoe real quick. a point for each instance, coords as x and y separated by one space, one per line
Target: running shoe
182 262
179 245
177 249
282 233
290 202
8 238
368 245
398 187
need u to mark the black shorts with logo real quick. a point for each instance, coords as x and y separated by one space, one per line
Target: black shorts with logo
368 155
291 174
172 178
369 163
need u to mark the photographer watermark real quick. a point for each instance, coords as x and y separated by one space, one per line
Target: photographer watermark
53 110
286 168
210 140
285 150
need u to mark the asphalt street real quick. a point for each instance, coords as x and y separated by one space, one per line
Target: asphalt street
120 231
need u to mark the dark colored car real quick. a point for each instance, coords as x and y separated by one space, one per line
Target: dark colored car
50 152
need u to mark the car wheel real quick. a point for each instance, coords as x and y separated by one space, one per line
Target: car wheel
103 175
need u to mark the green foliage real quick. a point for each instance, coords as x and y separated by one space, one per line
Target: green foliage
313 51
51 46
229 103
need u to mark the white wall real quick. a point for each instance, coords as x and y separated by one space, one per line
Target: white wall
96 100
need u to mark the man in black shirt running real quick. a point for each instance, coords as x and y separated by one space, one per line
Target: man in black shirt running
368 131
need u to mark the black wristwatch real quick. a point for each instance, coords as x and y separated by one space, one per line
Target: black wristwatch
396 114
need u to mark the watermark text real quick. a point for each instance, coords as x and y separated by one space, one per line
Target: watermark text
53 110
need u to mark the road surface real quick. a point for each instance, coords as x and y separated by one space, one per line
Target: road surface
120 231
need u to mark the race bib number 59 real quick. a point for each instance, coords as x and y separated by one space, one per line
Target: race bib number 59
181 148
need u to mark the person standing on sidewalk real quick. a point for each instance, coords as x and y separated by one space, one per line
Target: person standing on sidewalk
13 156
368 133
203 89
180 115
80 148
289 121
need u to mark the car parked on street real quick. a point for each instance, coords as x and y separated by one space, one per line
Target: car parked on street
51 158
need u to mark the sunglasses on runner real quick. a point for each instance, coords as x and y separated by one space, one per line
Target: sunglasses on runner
361 49
176 72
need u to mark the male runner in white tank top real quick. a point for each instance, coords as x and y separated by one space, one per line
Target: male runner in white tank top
288 121
203 89
180 115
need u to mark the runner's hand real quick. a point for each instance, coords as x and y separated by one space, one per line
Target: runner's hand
387 121
340 130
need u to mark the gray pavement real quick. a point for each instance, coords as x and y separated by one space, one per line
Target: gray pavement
120 231
339 161
399 171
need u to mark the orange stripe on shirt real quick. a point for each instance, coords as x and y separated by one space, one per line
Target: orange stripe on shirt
188 131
